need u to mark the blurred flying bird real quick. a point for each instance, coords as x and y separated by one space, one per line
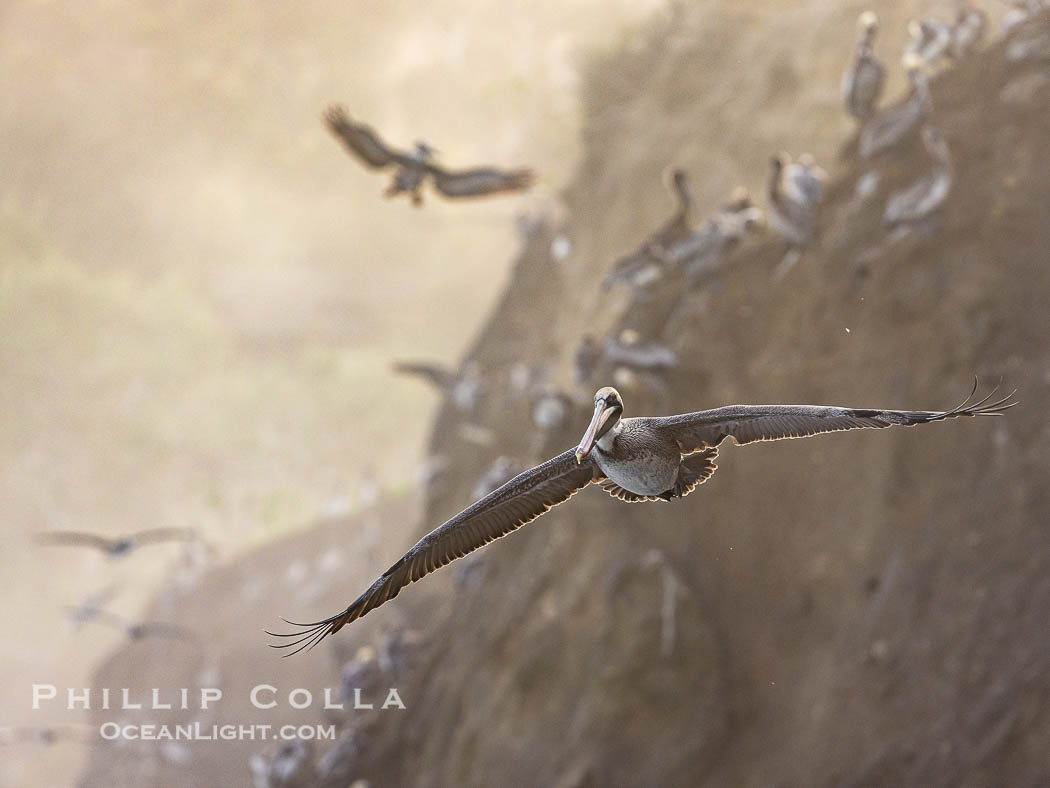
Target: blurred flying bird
414 168
923 197
140 630
645 264
891 126
91 608
49 734
636 459
863 81
120 546
464 388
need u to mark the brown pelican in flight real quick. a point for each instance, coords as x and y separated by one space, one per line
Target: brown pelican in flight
635 459
414 168
140 630
646 264
120 546
922 198
890 127
862 83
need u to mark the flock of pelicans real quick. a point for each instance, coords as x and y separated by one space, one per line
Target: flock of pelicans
662 458
643 458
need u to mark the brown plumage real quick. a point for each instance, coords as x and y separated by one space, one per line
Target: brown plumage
636 459
414 168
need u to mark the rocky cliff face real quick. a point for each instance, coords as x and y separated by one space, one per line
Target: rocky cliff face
856 609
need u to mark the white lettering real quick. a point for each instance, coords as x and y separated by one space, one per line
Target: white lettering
393 699
255 696
43 692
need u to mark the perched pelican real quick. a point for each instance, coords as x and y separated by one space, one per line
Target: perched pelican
862 83
414 168
887 129
464 388
645 264
967 31
930 40
630 351
926 195
703 250
636 459
796 190
121 545
1021 11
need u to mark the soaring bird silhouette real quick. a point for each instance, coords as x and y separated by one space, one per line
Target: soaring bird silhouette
414 168
140 630
637 459
117 547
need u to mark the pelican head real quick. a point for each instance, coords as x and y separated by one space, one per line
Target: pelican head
608 407
868 21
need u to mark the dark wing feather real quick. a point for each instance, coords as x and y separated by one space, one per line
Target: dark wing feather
479 181
361 140
749 423
519 501
76 539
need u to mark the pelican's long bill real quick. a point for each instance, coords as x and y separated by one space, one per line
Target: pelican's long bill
604 415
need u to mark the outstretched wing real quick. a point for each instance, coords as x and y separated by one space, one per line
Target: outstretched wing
749 423
519 501
479 181
361 140
75 539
